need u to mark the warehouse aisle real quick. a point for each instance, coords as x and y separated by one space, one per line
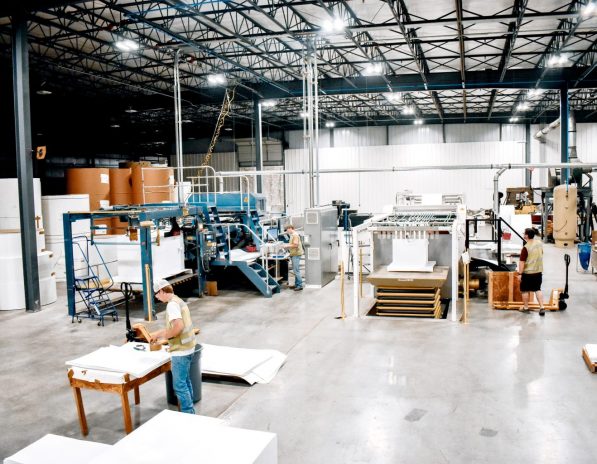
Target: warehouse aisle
505 387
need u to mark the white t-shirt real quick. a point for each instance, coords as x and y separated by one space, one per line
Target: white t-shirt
174 313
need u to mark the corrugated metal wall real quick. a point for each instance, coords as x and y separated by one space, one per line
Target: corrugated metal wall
411 134
371 191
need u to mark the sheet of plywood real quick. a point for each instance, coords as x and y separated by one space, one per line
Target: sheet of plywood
384 278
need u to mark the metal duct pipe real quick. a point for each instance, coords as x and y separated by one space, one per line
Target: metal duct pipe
454 167
546 129
496 196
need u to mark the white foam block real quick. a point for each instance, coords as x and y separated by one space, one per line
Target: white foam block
176 437
54 449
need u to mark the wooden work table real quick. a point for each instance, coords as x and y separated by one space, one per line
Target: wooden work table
111 381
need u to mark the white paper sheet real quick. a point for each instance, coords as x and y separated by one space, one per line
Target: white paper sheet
592 352
253 366
122 359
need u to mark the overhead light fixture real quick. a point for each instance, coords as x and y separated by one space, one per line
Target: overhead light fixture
304 114
114 126
334 25
534 93
330 124
126 45
186 121
408 110
228 129
269 103
513 119
217 79
130 110
394 97
522 107
558 61
373 69
588 10
44 92
418 121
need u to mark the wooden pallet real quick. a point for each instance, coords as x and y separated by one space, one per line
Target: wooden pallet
504 293
408 302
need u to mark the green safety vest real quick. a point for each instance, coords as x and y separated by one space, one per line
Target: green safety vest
534 262
186 339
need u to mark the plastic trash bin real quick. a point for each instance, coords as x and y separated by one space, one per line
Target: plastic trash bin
195 379
584 254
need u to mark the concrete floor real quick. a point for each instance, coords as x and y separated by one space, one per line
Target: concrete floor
507 387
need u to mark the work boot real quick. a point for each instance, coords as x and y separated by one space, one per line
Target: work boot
523 310
542 312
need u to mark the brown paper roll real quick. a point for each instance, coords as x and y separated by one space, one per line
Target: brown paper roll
151 185
117 227
121 187
93 181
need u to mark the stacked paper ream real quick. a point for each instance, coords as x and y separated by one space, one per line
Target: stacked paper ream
9 206
12 282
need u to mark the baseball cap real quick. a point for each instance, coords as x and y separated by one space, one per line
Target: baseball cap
159 284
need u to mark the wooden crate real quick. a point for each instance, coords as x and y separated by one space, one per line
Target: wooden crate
504 293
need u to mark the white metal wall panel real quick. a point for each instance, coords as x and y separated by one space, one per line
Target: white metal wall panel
360 136
295 139
460 133
412 134
513 132
371 191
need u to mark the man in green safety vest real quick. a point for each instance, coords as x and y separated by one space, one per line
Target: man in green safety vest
530 270
181 342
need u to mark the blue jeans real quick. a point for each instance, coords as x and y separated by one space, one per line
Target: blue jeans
181 381
296 270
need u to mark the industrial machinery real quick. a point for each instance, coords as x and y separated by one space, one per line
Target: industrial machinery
321 245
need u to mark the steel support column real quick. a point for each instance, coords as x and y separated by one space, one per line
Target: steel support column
258 143
564 124
22 115
527 155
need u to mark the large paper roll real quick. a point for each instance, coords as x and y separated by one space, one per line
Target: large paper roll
9 206
54 206
152 185
93 181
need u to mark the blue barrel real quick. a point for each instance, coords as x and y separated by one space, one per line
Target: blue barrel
584 255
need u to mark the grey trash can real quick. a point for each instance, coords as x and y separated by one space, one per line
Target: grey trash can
195 379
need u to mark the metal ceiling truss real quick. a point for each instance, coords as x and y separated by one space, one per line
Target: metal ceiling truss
438 61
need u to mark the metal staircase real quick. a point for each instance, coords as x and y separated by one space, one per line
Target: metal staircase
259 277
92 291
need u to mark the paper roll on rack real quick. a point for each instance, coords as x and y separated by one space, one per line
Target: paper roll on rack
152 185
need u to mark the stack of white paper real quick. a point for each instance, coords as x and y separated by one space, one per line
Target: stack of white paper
253 366
54 449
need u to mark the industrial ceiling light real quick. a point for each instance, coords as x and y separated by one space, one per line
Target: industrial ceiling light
269 103
216 79
114 126
394 97
186 121
513 119
588 10
408 110
373 69
534 93
522 107
126 45
330 124
333 26
558 61
44 92
130 110
228 129
418 121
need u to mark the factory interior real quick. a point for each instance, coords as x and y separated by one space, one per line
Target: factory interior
315 231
